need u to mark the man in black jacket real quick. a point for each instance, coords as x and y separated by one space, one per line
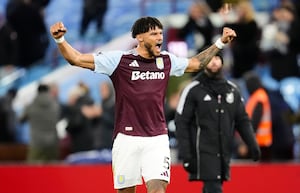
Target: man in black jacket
209 112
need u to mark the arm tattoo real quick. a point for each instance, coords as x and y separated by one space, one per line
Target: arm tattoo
205 56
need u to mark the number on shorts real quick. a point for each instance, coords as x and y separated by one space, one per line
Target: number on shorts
167 163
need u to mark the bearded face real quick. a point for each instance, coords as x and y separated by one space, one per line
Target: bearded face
214 67
150 43
213 73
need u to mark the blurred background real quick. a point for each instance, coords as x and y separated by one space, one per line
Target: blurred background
189 26
32 71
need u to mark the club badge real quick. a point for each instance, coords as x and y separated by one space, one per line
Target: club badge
229 98
160 63
121 179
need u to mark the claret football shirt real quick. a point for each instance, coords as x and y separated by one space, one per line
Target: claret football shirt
140 86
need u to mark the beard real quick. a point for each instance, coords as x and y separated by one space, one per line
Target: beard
214 74
149 50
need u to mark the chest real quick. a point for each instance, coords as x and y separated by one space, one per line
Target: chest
141 75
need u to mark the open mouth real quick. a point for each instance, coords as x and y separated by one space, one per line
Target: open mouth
158 45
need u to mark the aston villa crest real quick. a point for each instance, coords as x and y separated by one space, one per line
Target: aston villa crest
160 63
121 179
229 98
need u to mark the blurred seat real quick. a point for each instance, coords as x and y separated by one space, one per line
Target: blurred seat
290 89
268 81
13 152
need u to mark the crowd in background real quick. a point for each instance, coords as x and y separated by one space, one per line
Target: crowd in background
273 46
25 18
89 123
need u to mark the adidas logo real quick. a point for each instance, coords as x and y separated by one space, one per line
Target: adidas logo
165 173
207 98
134 64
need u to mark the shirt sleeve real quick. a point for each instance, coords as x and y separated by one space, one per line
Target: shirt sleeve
107 62
179 64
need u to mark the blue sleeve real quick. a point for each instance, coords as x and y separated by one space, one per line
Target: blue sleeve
178 65
107 62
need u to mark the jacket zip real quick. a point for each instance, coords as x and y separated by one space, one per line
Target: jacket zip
219 129
197 147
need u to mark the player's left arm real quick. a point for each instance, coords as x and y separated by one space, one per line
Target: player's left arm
199 61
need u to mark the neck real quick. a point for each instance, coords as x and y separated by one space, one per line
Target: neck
143 52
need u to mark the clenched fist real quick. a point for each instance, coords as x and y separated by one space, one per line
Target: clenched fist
228 35
57 30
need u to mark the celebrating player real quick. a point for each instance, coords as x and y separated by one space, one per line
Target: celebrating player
140 78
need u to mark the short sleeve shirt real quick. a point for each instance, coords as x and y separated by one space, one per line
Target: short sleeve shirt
140 85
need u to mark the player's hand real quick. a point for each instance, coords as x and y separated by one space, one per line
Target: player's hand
57 30
228 35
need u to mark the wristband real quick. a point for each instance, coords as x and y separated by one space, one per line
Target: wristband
59 40
220 44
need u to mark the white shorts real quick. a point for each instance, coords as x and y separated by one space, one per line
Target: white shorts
136 158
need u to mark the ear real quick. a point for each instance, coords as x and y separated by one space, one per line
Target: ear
140 38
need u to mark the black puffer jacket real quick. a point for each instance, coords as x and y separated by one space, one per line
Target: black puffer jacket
208 114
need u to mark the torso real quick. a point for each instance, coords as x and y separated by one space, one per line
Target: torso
140 86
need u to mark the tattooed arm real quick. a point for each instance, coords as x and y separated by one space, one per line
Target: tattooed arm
199 61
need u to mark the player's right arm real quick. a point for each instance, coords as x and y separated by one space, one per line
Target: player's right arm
73 56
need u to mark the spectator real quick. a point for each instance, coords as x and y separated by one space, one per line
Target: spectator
42 114
41 5
93 10
8 117
215 5
104 128
282 127
170 109
258 108
9 44
79 114
64 139
26 19
297 7
244 49
54 90
281 42
210 109
198 26
171 103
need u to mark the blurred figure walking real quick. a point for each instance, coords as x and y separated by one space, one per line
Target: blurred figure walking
258 108
209 112
93 10
33 41
42 114
7 117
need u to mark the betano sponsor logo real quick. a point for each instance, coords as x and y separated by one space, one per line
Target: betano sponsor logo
137 75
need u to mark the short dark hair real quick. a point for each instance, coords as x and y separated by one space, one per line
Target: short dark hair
42 88
144 24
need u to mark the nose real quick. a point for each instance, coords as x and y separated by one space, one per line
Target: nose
160 37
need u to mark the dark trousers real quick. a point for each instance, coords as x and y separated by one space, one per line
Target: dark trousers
212 186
